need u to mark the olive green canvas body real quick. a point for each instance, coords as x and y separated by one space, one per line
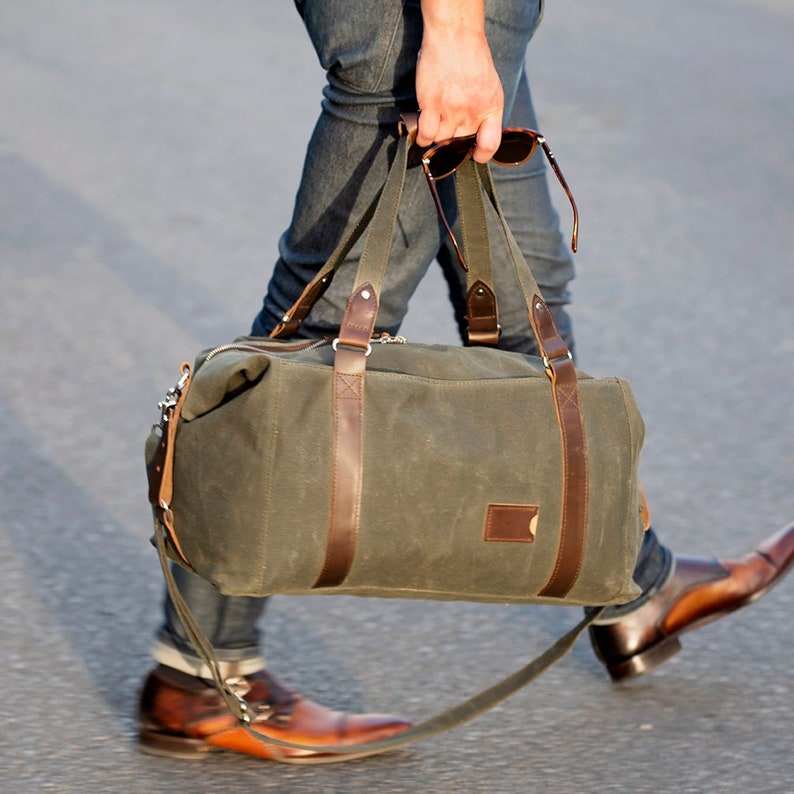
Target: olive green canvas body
447 432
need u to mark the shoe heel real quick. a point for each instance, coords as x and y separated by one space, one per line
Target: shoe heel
645 661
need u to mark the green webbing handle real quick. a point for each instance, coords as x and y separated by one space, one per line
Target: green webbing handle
379 221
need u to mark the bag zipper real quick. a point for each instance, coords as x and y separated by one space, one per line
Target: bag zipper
298 345
265 347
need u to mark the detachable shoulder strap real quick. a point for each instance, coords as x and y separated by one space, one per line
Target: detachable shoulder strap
446 720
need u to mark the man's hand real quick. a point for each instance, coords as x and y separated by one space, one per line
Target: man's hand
457 87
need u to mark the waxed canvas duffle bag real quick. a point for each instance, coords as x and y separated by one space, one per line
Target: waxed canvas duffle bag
391 469
377 467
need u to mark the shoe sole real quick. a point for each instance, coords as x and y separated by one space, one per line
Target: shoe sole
165 745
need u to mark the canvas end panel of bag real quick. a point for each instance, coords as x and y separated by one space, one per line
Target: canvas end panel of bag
462 470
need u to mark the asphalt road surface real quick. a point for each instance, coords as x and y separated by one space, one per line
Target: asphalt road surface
149 155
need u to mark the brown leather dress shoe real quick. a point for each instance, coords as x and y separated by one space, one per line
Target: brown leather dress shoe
699 591
185 717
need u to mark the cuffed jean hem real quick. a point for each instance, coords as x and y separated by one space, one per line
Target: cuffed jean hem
165 653
230 623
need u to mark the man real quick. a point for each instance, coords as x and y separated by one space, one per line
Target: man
462 63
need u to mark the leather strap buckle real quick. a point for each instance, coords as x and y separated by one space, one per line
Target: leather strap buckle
547 362
367 350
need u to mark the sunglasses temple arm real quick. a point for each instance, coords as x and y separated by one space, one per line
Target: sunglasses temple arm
561 179
440 210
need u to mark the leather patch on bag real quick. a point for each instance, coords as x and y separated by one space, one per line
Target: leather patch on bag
511 523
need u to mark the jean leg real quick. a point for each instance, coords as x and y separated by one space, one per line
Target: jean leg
229 623
351 148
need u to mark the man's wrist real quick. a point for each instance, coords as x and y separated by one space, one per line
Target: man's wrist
452 18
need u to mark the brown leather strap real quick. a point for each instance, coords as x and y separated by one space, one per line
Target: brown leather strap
161 468
565 390
352 348
292 320
347 473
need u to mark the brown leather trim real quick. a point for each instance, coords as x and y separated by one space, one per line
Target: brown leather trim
292 320
155 468
645 513
161 468
482 315
358 323
347 472
511 523
565 389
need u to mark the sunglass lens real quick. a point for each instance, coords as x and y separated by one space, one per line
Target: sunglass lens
515 148
448 157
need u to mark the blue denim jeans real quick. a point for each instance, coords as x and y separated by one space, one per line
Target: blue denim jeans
369 50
